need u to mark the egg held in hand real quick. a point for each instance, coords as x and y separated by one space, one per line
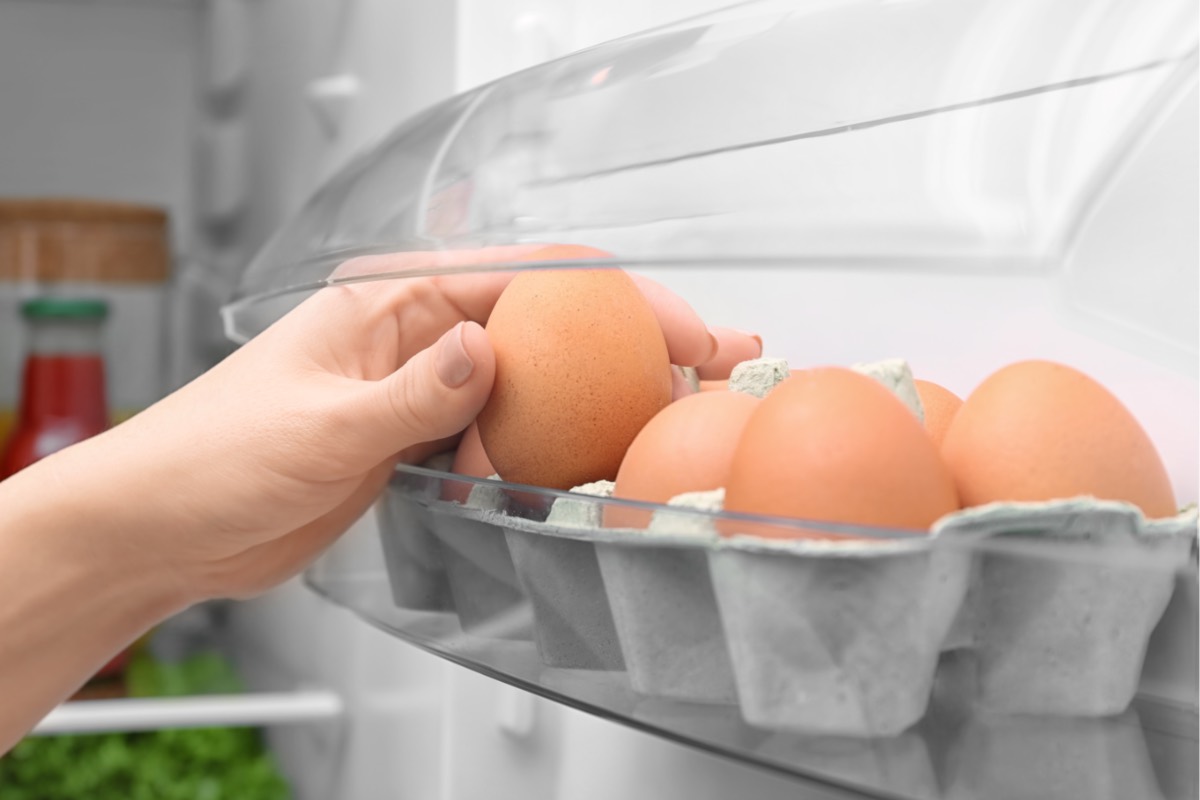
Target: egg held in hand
687 447
1037 430
833 445
581 366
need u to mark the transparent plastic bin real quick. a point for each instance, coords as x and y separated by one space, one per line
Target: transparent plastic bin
879 663
944 181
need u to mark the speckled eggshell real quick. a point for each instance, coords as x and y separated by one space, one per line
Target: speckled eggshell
940 406
687 447
1038 430
834 445
581 366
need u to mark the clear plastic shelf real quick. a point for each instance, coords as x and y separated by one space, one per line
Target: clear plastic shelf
930 667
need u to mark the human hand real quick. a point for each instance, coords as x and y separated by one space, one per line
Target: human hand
241 478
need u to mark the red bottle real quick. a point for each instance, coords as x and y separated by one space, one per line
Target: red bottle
62 386
62 389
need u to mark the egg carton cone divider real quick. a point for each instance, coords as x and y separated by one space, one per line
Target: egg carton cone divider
480 572
412 554
573 623
666 615
836 638
1063 599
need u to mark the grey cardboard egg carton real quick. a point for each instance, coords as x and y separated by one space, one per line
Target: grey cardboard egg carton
411 552
556 563
663 602
1063 598
836 638
1055 601
445 556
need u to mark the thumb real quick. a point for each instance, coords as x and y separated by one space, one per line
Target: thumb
436 393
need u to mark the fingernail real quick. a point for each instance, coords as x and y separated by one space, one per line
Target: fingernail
715 346
452 363
753 336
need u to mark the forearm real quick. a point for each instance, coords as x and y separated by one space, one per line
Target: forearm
74 590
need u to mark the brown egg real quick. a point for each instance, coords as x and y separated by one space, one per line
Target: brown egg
581 366
833 445
940 405
471 460
1036 430
687 447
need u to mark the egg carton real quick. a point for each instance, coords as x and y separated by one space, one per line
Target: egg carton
663 603
556 564
1063 598
411 552
837 637
1055 603
479 569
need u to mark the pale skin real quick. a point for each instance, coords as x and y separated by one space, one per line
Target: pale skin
240 479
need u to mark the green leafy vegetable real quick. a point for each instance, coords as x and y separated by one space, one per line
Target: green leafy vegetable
189 764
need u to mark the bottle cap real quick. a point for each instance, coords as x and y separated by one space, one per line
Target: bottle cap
64 308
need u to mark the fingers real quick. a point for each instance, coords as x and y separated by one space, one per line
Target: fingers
733 347
433 396
420 261
471 296
688 341
471 293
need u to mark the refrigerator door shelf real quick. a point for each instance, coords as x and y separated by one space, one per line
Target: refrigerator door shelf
890 668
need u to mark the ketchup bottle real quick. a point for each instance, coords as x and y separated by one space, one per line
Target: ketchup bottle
62 386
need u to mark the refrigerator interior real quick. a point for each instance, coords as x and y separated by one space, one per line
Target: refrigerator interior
230 113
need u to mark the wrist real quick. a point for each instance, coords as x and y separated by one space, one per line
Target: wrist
74 591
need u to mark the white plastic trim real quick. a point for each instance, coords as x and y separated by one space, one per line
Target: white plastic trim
242 710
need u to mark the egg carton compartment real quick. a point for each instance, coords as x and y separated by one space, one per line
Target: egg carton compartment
483 581
666 615
557 565
412 553
662 597
1063 599
468 542
836 638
